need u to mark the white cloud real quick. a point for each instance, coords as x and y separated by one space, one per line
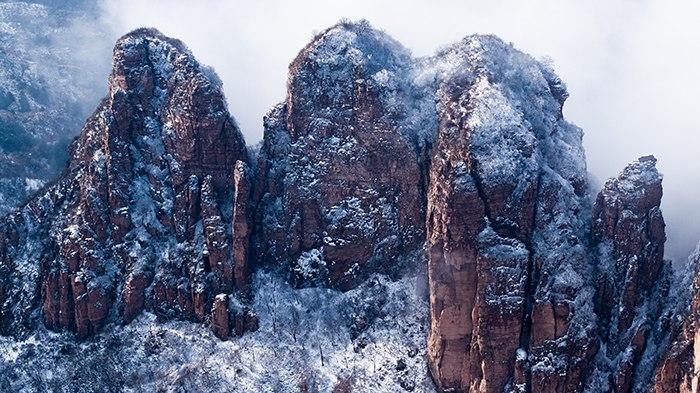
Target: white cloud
632 67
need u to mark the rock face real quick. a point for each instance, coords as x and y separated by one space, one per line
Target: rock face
220 318
339 188
152 211
373 158
506 227
675 345
622 322
628 239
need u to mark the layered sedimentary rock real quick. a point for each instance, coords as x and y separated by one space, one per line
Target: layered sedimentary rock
152 211
339 185
506 218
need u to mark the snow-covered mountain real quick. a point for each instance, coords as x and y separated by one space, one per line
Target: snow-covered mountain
412 224
48 86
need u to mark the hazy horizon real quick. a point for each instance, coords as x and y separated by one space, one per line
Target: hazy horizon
630 66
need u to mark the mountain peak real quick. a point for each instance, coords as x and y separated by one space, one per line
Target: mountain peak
642 170
356 43
455 177
155 172
637 187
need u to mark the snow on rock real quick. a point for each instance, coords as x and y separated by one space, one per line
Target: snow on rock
497 169
374 159
369 339
338 168
48 85
141 218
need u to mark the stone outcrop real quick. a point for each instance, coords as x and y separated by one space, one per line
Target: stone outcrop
339 187
242 226
220 319
152 212
505 227
628 242
373 158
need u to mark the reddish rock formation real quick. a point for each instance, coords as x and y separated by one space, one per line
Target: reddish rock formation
134 295
505 226
242 226
628 237
485 337
339 179
220 317
372 156
228 317
142 217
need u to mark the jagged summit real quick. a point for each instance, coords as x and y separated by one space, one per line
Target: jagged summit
358 41
530 86
375 168
161 78
639 180
148 33
169 55
344 61
337 174
145 217
631 274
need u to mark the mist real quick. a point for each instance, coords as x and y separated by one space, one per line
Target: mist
632 67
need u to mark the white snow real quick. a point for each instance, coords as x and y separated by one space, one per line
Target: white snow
298 328
33 184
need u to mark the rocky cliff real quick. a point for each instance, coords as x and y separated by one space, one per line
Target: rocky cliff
376 167
507 213
628 241
340 186
152 211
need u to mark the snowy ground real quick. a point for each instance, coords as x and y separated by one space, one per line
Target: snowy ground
370 339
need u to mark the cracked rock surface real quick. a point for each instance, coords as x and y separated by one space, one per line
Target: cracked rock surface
144 215
410 223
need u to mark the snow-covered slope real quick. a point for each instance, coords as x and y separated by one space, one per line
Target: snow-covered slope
52 69
369 339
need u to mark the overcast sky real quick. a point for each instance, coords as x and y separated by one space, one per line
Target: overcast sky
632 67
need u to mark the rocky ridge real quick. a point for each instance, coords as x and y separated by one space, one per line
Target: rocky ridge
145 214
628 237
373 158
